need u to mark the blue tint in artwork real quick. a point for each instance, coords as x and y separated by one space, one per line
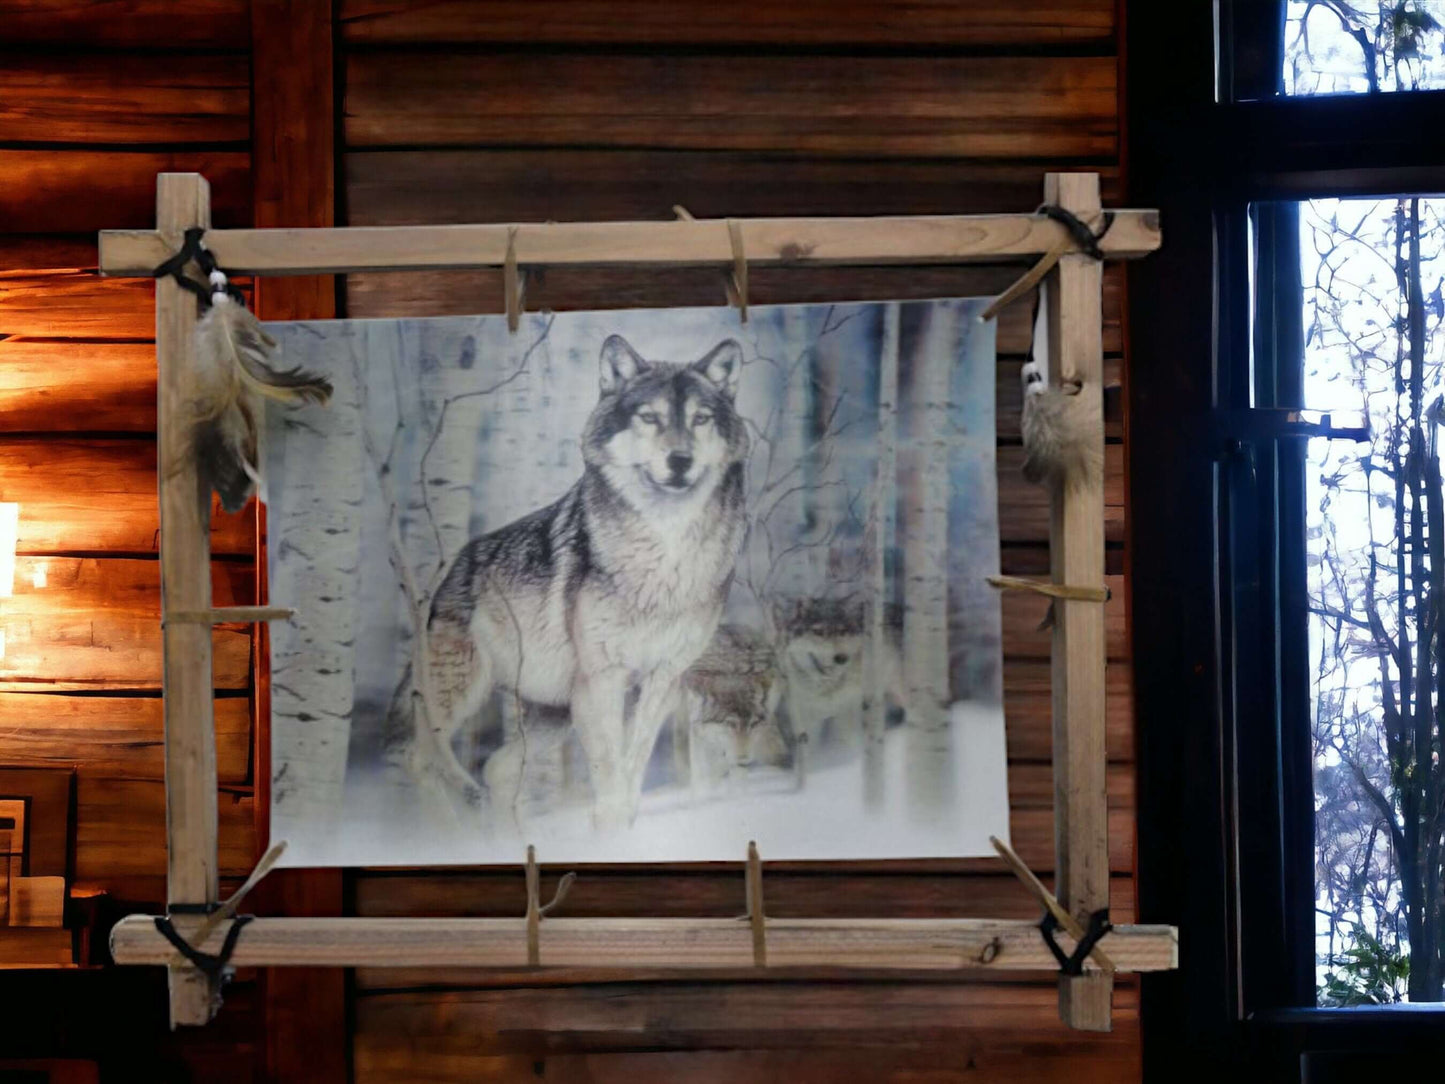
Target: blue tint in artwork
639 586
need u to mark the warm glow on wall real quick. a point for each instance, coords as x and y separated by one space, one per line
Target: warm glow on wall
9 532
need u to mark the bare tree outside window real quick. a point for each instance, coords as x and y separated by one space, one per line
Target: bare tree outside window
1363 47
1373 273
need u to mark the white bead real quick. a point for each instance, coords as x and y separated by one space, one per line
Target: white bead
218 278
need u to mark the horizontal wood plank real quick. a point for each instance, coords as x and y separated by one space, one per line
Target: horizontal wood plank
436 187
916 106
564 289
121 833
63 386
124 98
79 191
999 1060
118 737
464 1024
113 24
1023 509
930 23
91 496
95 624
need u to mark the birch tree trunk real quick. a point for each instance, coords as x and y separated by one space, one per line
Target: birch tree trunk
924 537
879 536
312 656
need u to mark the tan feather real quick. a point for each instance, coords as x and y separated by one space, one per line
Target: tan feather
1060 444
232 376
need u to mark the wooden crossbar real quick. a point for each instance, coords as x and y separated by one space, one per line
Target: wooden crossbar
801 242
917 944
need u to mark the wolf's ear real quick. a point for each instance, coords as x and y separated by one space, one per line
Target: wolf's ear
723 365
619 363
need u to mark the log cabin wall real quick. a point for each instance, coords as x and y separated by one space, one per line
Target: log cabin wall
470 110
493 110
95 99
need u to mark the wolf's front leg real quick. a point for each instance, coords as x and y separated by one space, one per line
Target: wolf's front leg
658 696
599 701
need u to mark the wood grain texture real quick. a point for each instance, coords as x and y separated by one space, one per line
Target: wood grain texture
96 624
929 23
65 387
1077 534
426 1028
562 289
688 945
120 832
981 1060
811 890
421 187
117 737
59 191
210 24
917 106
304 1011
91 496
1028 711
123 98
1023 509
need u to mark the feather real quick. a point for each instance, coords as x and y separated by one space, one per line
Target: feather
1060 444
233 376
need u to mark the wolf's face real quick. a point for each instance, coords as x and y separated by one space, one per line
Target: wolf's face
736 725
665 432
821 644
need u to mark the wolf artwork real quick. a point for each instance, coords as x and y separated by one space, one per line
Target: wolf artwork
638 586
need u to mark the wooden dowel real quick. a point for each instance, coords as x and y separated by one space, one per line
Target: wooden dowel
534 909
229 615
757 919
1052 590
228 909
628 943
805 242
1028 280
183 201
1049 901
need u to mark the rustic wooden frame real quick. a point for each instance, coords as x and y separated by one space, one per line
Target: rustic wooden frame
1077 545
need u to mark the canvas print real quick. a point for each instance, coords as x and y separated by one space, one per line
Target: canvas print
638 586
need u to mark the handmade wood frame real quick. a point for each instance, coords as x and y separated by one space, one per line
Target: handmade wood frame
1076 542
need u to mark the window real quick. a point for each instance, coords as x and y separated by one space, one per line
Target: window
1286 377
1372 272
1363 46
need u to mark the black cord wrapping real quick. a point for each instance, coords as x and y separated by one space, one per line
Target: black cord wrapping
1099 925
1085 238
193 249
212 966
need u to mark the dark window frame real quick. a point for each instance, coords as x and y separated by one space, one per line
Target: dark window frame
1225 835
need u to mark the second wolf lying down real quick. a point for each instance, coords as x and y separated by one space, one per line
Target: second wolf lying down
600 601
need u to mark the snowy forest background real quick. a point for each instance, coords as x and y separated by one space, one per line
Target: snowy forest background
871 485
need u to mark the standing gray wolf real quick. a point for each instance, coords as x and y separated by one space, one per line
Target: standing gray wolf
600 601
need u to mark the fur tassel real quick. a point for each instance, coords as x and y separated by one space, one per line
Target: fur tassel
1059 444
233 376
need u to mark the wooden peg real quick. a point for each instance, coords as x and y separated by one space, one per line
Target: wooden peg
228 909
1051 590
536 910
754 896
512 283
737 283
229 615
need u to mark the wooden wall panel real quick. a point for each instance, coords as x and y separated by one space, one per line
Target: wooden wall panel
980 23
123 98
925 105
1009 1027
456 293
83 495
119 737
136 24
386 188
122 832
64 386
75 191
95 624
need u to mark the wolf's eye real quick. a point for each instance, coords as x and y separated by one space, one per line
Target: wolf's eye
702 417
649 417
